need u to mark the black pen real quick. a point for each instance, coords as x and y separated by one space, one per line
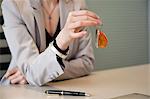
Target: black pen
63 92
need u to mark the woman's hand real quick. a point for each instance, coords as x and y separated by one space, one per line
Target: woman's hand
15 76
76 20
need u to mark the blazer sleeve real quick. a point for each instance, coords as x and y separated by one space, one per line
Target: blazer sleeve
84 61
39 68
82 64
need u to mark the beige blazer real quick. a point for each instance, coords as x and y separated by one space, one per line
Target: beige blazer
25 33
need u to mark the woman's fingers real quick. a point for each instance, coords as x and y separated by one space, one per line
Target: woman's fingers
17 79
10 72
84 18
84 12
82 24
79 34
22 82
14 75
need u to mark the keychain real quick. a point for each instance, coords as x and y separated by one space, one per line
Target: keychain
101 38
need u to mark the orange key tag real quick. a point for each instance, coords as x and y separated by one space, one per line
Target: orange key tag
101 39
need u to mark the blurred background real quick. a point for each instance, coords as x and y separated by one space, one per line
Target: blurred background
5 55
125 22
126 26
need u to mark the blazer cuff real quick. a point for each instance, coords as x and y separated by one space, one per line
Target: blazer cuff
43 70
57 52
60 50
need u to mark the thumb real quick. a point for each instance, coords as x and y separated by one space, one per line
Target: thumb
79 34
10 72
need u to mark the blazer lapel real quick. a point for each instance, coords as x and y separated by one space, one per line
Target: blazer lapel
65 7
39 18
27 16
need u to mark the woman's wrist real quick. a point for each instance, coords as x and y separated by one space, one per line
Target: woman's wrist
61 42
61 45
59 49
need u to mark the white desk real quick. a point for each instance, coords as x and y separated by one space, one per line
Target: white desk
101 84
